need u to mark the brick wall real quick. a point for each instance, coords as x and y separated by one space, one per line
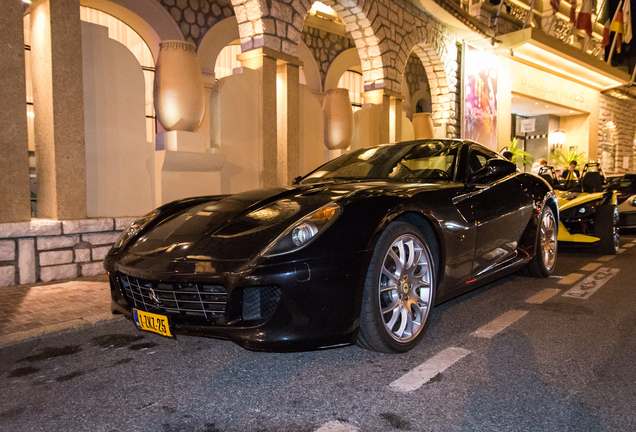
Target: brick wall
47 250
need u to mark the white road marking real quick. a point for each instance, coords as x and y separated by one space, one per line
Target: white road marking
570 279
499 324
591 266
607 258
591 284
621 250
422 374
336 426
628 245
543 295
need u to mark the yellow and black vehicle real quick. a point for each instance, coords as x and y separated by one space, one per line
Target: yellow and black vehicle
588 213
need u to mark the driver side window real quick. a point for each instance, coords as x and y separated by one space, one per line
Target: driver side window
476 161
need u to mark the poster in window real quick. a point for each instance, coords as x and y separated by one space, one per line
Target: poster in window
479 114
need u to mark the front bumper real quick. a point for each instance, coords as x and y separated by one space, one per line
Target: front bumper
627 219
291 306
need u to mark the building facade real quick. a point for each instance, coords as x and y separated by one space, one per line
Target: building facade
134 103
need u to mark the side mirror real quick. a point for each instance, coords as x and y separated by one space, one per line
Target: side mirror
494 169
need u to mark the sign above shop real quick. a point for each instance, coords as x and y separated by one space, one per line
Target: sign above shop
527 125
535 48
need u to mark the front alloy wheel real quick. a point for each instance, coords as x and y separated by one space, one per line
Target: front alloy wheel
399 291
405 288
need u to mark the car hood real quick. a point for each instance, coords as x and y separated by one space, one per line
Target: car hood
568 200
238 227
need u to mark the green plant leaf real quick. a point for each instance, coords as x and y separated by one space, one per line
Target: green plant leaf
562 158
520 157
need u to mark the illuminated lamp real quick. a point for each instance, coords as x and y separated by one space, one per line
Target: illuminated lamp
557 138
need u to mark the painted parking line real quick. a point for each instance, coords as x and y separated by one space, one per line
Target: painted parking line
336 426
570 279
591 267
591 284
499 324
543 295
422 374
606 258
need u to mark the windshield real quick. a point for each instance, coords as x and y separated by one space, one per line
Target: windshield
420 160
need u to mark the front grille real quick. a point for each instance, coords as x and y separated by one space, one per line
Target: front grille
260 302
628 219
175 299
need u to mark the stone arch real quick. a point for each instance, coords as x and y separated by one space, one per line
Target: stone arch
437 80
276 25
345 60
366 27
437 50
280 27
146 17
215 39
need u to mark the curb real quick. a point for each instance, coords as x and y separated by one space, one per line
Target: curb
52 328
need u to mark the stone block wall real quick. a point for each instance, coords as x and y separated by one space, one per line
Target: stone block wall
618 113
47 250
325 47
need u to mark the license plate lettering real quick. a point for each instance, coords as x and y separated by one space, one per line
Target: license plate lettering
152 322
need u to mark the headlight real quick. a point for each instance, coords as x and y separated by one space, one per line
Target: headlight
134 228
578 212
304 231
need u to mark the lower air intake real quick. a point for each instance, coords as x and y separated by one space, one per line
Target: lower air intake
260 302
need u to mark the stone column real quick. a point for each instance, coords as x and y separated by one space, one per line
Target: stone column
279 120
396 119
288 122
382 99
58 103
14 154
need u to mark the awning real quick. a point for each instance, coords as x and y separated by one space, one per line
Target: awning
535 48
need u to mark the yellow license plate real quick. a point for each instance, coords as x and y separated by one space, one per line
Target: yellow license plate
152 322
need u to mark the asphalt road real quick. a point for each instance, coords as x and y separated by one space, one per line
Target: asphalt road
521 354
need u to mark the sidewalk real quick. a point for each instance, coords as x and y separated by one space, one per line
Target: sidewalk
28 311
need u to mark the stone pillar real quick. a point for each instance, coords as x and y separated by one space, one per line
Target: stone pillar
279 109
390 116
288 95
14 155
56 53
396 119
382 99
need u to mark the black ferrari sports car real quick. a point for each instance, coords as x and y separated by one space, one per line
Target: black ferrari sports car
357 251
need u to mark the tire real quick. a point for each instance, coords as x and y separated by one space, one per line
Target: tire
606 228
398 292
544 260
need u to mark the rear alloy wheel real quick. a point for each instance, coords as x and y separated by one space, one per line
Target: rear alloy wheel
606 228
545 254
399 291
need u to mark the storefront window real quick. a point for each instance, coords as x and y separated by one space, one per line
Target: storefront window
125 35
352 80
226 62
118 31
